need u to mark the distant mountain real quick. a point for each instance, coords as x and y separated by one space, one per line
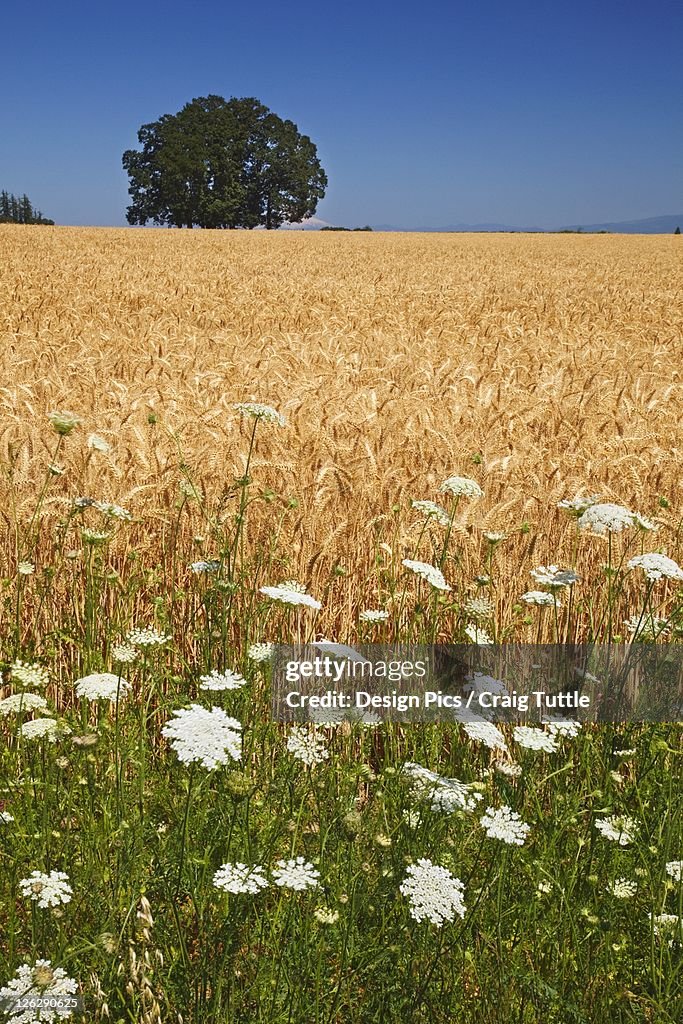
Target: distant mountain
665 225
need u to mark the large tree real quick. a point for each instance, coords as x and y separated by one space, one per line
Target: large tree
223 164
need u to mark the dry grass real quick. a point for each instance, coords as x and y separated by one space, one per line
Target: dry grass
395 359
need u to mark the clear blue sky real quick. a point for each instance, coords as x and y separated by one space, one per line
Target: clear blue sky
424 113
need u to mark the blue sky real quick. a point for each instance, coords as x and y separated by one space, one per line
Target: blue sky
424 114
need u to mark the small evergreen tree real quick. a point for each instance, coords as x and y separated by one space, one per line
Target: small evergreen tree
677 231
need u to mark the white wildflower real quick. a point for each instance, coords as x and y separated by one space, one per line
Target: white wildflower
125 653
209 737
494 537
47 890
42 728
646 525
108 508
374 615
602 519
431 510
29 674
622 888
94 537
553 577
259 411
205 566
578 505
617 828
226 680
102 686
238 878
260 652
540 597
506 825
292 593
306 746
657 567
462 487
50 985
434 893
428 572
326 916
478 635
562 727
478 683
648 627
98 444
675 869
17 703
667 926
478 608
6 817
535 739
296 873
443 795
477 728
146 637
26 568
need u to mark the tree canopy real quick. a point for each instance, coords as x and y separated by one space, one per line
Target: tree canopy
19 210
223 164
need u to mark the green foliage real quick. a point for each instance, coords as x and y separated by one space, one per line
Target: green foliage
18 210
223 164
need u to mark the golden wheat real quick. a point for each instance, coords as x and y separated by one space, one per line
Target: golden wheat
556 362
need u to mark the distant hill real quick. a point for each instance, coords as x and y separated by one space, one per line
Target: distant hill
664 225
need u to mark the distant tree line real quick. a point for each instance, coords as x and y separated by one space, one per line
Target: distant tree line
329 227
18 210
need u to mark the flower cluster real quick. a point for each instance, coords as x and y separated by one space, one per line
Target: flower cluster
149 637
226 680
443 795
102 686
17 703
374 615
428 572
306 746
462 487
535 739
259 411
602 519
657 567
210 737
506 825
41 982
617 828
430 510
293 593
434 893
47 890
296 873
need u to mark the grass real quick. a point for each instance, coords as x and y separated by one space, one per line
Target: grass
541 367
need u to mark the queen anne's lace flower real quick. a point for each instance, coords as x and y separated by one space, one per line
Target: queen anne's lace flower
259 411
296 873
226 680
623 888
17 703
98 444
647 627
47 890
443 795
535 739
292 593
124 653
209 737
431 510
478 635
428 572
212 565
553 577
605 518
434 893
26 568
540 597
462 487
63 422
506 825
238 878
43 728
668 927
578 505
675 869
657 567
261 652
617 828
374 615
102 686
42 981
307 746
29 674
562 727
146 637
477 728
108 508
478 608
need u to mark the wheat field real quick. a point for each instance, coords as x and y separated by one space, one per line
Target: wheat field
541 365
